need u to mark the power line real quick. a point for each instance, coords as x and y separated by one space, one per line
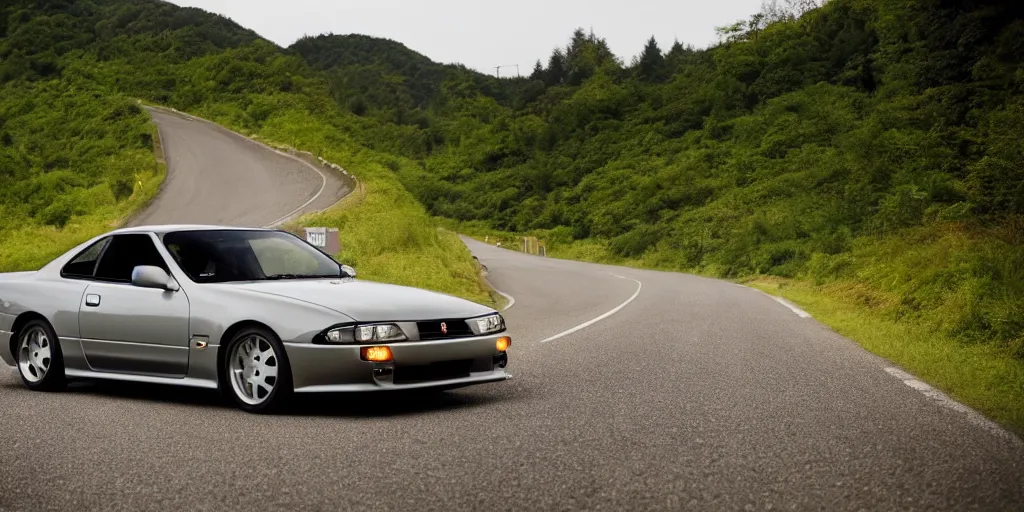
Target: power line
497 69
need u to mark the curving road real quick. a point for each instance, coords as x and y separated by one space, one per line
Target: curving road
216 176
685 394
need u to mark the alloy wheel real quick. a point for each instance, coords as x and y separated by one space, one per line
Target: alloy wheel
253 366
34 354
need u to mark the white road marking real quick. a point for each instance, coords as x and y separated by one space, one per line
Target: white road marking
792 307
945 401
511 299
799 312
899 374
602 317
323 185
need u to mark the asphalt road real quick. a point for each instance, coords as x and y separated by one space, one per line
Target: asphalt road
215 176
693 394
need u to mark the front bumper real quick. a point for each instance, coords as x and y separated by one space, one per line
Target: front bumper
417 364
5 349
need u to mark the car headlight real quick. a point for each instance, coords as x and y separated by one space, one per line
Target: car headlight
380 332
340 335
365 333
490 323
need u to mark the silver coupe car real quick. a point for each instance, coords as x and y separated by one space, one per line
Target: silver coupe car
256 313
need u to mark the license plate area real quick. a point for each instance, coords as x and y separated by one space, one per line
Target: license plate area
443 370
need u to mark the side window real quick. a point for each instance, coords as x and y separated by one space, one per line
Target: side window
124 254
84 264
199 262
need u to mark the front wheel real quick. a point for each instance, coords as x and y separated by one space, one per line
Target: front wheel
256 371
40 361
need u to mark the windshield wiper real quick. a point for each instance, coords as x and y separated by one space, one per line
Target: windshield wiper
276 277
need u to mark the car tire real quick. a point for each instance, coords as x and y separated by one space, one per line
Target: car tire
255 371
40 360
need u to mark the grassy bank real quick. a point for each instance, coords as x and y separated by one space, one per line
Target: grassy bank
979 375
922 300
74 162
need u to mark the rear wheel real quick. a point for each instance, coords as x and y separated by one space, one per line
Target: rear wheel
256 371
40 361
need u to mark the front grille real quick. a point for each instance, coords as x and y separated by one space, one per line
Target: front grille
431 329
432 372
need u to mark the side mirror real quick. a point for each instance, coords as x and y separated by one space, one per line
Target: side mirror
147 276
348 270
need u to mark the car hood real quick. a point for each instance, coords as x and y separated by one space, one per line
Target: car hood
367 301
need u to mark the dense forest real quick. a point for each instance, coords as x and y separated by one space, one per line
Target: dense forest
870 142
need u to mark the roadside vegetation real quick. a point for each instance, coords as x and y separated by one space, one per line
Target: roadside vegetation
74 160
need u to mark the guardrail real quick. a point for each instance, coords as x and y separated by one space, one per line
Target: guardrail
531 245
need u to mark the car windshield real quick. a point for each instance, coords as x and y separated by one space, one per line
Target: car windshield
220 256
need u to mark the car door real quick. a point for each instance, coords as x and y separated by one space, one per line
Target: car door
130 329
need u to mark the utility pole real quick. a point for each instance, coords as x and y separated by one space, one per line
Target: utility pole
497 69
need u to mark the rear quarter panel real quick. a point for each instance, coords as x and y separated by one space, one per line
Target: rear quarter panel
56 299
46 293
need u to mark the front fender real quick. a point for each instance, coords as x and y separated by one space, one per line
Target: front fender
215 310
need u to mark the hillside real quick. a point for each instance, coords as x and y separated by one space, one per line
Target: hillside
374 73
866 142
399 92
70 72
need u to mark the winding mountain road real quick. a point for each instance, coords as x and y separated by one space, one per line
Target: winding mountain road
216 176
633 390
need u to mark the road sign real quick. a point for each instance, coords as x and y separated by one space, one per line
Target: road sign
324 238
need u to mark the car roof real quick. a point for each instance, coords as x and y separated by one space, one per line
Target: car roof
167 228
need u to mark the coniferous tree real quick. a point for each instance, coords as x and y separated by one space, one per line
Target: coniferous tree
538 71
676 49
677 57
576 46
651 65
555 74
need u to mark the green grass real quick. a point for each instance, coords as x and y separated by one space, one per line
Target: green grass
387 236
28 242
980 375
32 245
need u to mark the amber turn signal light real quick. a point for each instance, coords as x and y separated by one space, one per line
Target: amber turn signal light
503 343
375 354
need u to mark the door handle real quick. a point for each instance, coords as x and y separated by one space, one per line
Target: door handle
92 300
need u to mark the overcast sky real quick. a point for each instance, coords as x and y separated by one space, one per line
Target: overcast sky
483 34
